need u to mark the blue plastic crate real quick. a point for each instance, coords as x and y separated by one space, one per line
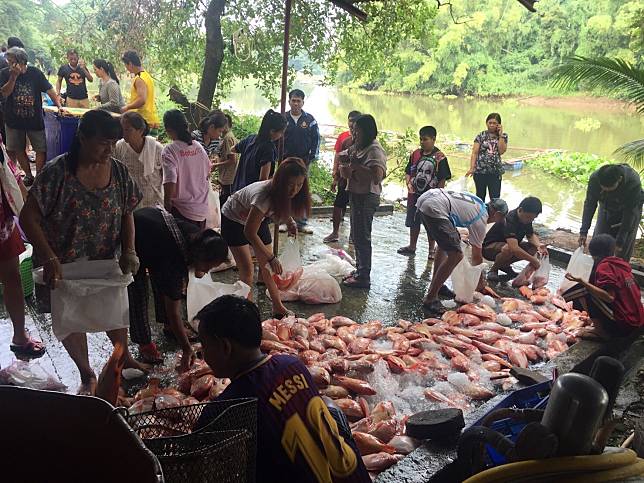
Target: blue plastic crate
532 397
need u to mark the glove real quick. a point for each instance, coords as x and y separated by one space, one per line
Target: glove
129 262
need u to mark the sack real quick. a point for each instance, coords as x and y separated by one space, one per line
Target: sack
31 375
202 291
213 219
580 265
91 297
460 185
291 265
542 275
333 265
314 287
465 279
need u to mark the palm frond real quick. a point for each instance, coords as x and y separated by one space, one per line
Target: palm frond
632 153
614 76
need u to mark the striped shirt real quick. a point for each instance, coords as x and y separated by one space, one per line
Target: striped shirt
212 146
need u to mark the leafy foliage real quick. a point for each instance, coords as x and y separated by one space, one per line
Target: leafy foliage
568 165
500 48
612 76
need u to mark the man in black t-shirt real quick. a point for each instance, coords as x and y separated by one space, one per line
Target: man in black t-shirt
21 86
74 73
11 42
504 242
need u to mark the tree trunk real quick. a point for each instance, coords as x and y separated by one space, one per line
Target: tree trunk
214 55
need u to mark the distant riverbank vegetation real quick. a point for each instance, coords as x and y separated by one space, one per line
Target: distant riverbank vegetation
496 47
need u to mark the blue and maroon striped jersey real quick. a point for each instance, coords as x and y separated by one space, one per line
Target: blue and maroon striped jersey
298 439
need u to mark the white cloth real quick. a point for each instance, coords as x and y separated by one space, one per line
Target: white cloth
465 210
91 297
238 206
150 155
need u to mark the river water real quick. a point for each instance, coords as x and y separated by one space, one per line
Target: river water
585 128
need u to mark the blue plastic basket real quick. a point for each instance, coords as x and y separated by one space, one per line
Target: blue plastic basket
532 397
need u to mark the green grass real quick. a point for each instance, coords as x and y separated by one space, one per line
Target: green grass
573 166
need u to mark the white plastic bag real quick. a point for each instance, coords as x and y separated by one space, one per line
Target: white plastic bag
315 286
91 297
333 265
31 375
465 279
291 265
580 265
524 276
213 219
202 291
542 275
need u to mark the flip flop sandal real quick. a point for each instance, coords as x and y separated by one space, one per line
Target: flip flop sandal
406 251
31 348
356 282
331 239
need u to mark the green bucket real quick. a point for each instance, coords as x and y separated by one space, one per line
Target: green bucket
26 268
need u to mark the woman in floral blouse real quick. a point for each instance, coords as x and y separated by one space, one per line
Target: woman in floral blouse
80 207
485 163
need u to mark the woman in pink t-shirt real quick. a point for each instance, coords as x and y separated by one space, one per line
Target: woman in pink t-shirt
186 172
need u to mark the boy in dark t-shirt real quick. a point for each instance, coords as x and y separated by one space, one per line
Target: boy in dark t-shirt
427 168
75 74
297 437
504 243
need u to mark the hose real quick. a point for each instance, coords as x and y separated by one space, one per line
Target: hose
471 444
535 469
621 473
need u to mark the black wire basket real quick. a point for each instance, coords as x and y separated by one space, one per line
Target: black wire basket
222 449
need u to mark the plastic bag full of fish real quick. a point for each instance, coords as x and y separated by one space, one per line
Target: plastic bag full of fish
464 356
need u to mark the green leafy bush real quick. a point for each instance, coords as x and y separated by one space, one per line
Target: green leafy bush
320 180
569 165
245 124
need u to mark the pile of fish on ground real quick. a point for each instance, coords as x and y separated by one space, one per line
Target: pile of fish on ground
379 375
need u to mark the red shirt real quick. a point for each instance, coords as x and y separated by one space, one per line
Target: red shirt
615 274
340 140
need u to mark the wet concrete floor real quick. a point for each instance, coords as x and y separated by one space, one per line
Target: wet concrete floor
398 285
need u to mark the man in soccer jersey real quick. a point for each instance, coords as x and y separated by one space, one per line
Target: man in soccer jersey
298 439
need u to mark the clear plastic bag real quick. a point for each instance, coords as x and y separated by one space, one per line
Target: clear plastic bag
542 275
524 276
580 265
314 287
333 265
213 219
465 279
31 375
202 291
291 265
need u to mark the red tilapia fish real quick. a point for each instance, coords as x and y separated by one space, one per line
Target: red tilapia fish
341 354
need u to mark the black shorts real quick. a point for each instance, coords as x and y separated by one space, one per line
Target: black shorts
413 217
443 232
233 232
342 196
